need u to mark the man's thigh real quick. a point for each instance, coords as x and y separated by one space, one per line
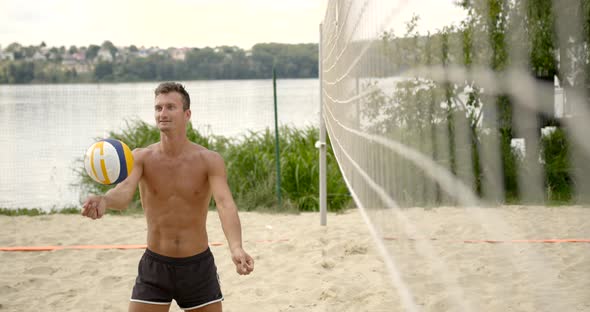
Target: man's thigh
146 307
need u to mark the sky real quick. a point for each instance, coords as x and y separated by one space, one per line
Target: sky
175 23
163 23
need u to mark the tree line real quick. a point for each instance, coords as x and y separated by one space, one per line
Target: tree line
224 62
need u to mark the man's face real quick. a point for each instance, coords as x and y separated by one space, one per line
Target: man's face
169 113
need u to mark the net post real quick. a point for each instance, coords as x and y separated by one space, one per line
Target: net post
321 144
277 149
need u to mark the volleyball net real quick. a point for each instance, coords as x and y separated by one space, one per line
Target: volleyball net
466 104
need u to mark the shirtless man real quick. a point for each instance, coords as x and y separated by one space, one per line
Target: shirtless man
176 179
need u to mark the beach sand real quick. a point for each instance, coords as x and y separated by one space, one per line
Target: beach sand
302 266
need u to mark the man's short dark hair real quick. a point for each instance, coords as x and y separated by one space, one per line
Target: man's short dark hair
167 87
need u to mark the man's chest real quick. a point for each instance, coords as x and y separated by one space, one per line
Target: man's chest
175 177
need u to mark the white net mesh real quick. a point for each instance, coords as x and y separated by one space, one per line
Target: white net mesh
465 105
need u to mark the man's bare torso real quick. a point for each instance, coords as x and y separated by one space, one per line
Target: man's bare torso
175 195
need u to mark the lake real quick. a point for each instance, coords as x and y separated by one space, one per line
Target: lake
48 127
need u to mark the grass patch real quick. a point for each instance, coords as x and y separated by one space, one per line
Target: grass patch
37 211
132 210
22 212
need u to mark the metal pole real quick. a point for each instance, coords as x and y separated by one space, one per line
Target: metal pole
321 144
277 153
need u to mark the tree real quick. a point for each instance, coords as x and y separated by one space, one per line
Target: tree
73 50
111 47
16 49
103 71
91 52
224 62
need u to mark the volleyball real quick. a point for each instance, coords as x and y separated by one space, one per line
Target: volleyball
108 161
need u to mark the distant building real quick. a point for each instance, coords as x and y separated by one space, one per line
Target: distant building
68 60
142 53
82 68
178 54
38 56
79 56
156 51
52 56
104 55
6 56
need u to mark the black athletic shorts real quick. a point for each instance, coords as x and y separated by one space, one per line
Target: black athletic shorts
193 281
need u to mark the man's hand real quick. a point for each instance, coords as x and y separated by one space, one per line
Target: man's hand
244 263
94 207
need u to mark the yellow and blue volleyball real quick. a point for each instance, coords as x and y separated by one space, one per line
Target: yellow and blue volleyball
108 161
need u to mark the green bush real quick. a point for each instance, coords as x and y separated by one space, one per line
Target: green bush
555 151
252 171
251 167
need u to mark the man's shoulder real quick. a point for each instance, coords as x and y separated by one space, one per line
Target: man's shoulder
205 154
142 152
200 150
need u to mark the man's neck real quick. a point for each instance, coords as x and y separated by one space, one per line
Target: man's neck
172 144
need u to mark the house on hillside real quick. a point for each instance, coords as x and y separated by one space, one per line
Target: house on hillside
178 54
38 56
68 60
76 63
6 56
156 51
104 55
83 68
79 56
143 52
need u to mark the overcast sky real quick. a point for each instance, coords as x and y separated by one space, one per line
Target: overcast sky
175 23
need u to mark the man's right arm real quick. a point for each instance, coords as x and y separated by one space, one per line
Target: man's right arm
119 197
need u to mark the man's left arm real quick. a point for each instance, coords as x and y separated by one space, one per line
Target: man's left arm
228 214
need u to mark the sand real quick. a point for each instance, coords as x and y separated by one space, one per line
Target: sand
302 266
